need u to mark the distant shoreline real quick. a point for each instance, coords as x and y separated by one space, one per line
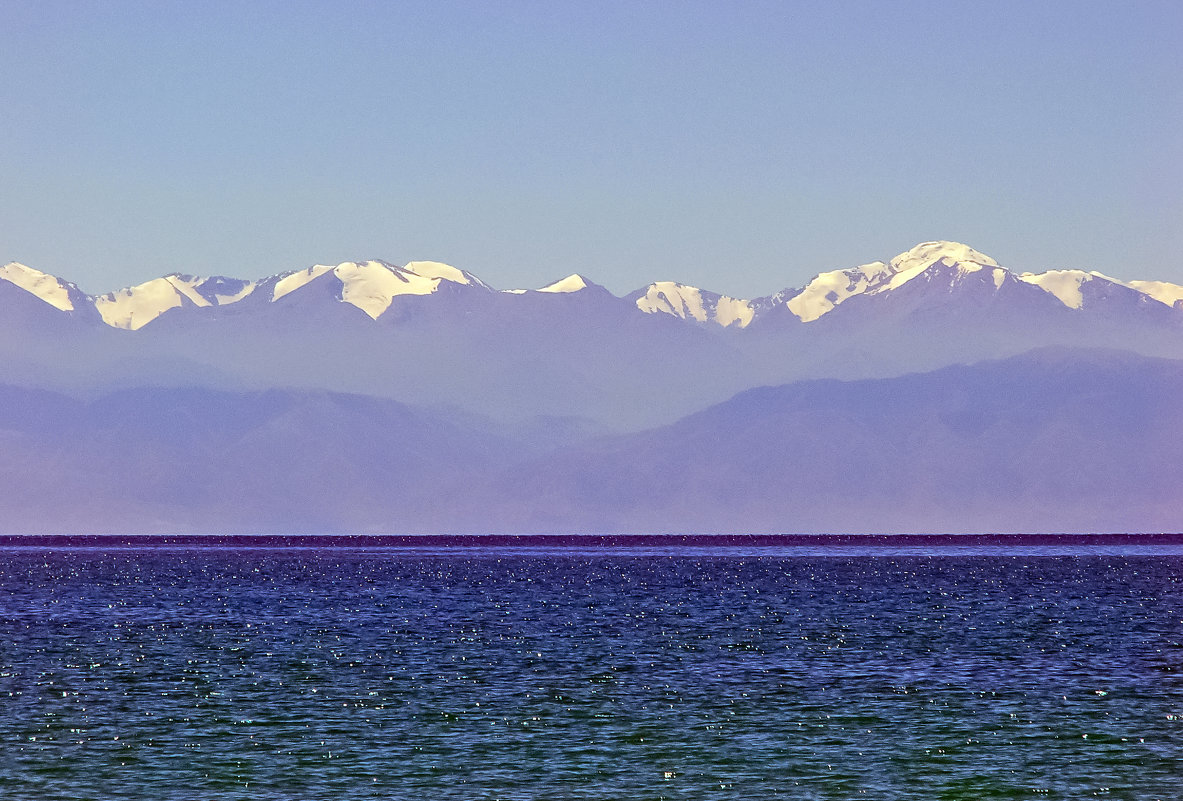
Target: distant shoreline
604 541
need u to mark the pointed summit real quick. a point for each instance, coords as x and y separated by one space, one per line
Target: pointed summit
572 283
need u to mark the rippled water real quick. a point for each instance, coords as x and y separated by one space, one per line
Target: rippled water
215 672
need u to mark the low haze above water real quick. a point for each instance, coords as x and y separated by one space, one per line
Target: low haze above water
179 673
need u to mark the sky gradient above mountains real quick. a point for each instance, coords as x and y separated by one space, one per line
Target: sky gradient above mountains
737 147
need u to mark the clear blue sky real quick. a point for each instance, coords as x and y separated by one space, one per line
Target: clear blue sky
741 147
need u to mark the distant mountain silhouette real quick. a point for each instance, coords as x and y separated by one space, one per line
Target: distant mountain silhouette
1058 439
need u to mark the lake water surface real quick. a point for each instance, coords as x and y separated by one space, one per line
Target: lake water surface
639 673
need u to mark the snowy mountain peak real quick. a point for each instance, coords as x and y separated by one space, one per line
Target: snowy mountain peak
1068 286
692 303
827 290
287 283
928 253
134 307
1163 292
444 272
372 285
52 290
572 283
1064 284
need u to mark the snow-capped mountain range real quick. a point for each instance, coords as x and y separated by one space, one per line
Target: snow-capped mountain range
936 391
373 286
433 335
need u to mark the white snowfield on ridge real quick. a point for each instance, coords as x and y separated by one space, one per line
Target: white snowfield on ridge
371 286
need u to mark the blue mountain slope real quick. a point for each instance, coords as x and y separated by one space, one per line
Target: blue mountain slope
1054 440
